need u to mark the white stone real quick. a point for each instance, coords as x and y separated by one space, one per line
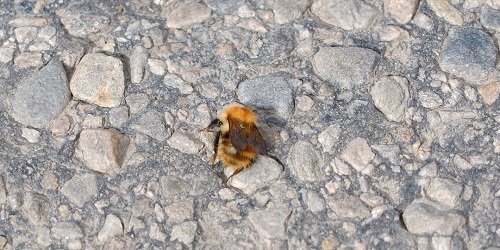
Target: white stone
401 10
31 135
80 188
445 10
184 232
180 210
185 143
261 173
269 222
346 206
112 227
358 154
329 137
444 191
390 95
346 14
187 15
306 163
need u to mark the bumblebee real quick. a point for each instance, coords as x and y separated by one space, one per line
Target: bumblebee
238 140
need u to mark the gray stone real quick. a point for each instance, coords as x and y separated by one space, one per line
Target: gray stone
444 191
445 10
25 34
180 210
138 61
152 124
346 206
112 227
6 54
359 155
156 233
268 92
345 66
3 191
67 231
346 14
490 18
43 237
185 143
118 116
173 187
102 150
187 15
286 11
270 222
261 173
83 24
176 82
390 95
36 208
80 188
462 163
401 10
99 80
29 60
28 21
426 217
184 232
31 135
429 99
313 201
305 162
468 53
41 97
3 241
137 102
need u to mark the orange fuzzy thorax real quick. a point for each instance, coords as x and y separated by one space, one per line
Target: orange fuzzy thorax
239 112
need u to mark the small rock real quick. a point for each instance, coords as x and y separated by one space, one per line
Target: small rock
456 53
28 21
43 237
287 10
201 116
99 79
490 92
118 116
346 66
92 121
490 18
6 54
102 150
346 14
261 173
185 143
157 66
180 211
112 227
329 137
304 103
184 232
390 95
444 191
50 181
176 82
29 60
339 167
313 201
401 10
83 24
25 34
3 191
358 154
80 188
426 217
41 97
67 231
173 187
346 206
36 207
445 10
74 245
138 61
31 135
268 92
187 15
156 233
137 102
305 162
462 163
61 125
429 99
270 222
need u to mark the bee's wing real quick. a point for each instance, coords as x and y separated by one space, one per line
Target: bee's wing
236 135
256 140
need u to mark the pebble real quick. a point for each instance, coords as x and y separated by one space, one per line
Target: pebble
462 163
359 155
268 92
66 231
346 66
390 95
28 21
187 15
138 61
429 99
156 233
29 60
263 172
401 10
43 237
490 92
31 135
176 82
3 191
25 35
152 124
339 167
137 102
490 18
92 121
184 232
41 97
304 103
6 54
173 187
36 208
288 10
99 80
83 24
270 222
102 150
185 143
157 66
180 211
112 227
80 188
444 191
456 51
426 217
118 116
329 137
305 162
346 14
313 201
445 10
346 206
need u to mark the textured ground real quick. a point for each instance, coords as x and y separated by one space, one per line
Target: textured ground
385 114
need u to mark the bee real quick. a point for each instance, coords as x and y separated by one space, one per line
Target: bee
238 140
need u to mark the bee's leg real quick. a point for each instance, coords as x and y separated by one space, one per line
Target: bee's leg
216 149
236 171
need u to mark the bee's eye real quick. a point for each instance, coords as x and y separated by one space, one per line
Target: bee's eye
219 123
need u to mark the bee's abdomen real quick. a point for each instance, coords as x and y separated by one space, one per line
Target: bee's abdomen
233 158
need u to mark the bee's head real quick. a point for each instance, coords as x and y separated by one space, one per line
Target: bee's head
214 126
